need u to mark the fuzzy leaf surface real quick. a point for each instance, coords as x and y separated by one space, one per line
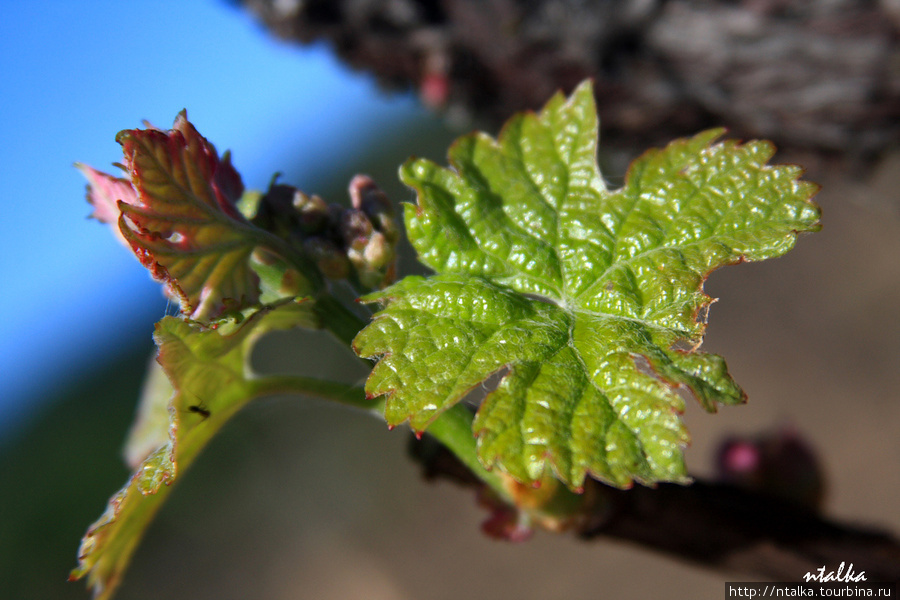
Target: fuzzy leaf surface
104 191
183 224
210 381
588 301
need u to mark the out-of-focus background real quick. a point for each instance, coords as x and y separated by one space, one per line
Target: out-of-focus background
296 499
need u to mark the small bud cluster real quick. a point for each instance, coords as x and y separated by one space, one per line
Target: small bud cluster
344 243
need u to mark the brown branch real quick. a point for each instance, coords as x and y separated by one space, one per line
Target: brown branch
724 527
716 525
813 77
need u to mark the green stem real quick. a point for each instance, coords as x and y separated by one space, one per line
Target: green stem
454 430
337 318
349 395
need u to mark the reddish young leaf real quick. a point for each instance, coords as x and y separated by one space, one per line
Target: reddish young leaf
184 225
104 192
185 215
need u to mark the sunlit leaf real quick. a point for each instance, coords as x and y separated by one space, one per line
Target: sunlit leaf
587 301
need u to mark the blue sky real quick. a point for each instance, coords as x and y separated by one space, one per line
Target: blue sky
72 74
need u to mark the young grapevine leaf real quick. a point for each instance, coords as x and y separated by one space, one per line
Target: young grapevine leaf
587 301
211 380
183 223
218 250
150 428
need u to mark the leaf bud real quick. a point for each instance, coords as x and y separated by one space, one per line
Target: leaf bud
331 260
355 229
368 197
313 212
275 212
374 262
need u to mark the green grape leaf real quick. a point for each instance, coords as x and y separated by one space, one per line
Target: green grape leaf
150 428
211 380
588 302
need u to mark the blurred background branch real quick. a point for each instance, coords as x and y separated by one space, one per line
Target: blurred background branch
735 527
820 79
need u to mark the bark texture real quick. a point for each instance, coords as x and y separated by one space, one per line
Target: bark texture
820 77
